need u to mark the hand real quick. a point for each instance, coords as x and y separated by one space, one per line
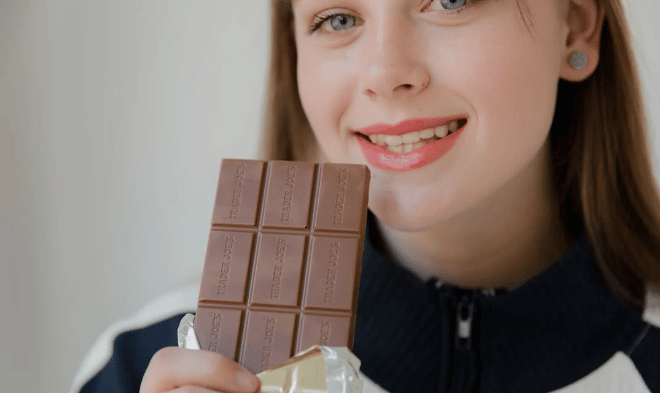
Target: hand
180 370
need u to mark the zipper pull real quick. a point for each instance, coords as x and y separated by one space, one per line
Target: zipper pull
464 314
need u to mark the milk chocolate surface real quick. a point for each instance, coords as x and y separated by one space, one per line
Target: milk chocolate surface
282 267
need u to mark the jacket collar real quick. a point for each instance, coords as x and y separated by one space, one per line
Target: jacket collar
549 332
562 324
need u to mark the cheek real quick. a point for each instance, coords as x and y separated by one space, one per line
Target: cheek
324 88
512 87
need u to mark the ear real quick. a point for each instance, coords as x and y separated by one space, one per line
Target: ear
584 22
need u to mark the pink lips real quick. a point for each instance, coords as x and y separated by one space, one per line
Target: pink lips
409 125
382 158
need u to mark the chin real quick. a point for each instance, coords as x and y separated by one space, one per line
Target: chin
407 220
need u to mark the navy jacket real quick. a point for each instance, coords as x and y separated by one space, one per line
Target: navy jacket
561 331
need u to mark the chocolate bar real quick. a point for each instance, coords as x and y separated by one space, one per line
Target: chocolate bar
282 267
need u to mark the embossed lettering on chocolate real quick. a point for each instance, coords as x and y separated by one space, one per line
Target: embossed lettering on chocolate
283 261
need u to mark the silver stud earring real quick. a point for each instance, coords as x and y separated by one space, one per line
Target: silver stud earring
578 60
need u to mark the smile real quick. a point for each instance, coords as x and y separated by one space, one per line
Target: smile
414 140
400 149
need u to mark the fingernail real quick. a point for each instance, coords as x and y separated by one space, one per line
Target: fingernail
246 380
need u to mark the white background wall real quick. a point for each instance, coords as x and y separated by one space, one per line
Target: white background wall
114 116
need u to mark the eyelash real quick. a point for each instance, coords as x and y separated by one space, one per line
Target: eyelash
327 15
323 17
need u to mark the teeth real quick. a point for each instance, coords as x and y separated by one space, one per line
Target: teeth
395 149
393 140
428 133
441 132
419 144
377 139
411 137
413 140
407 147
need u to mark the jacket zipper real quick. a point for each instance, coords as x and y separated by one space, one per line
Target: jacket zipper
464 316
464 353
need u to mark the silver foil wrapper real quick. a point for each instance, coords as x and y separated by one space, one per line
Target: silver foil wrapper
185 335
319 369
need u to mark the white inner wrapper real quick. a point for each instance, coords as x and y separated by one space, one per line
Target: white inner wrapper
185 335
342 366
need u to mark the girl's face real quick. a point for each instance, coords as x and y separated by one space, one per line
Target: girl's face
382 81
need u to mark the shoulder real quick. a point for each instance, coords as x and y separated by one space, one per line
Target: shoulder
635 370
646 354
652 307
120 355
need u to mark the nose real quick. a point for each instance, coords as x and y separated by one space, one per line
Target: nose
393 64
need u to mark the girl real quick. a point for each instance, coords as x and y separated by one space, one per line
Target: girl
514 220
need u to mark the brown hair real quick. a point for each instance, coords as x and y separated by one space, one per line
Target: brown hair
600 156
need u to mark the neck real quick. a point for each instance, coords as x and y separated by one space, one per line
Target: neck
504 242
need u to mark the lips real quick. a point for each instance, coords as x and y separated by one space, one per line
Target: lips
412 156
409 125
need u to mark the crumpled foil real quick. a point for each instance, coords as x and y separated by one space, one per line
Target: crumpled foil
319 369
185 334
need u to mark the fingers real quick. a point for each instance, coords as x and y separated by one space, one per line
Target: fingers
176 368
192 389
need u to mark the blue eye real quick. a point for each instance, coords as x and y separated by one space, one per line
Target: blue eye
448 5
333 21
341 22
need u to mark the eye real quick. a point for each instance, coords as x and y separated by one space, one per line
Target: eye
341 22
447 5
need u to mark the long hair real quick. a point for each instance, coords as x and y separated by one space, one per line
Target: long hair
601 164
